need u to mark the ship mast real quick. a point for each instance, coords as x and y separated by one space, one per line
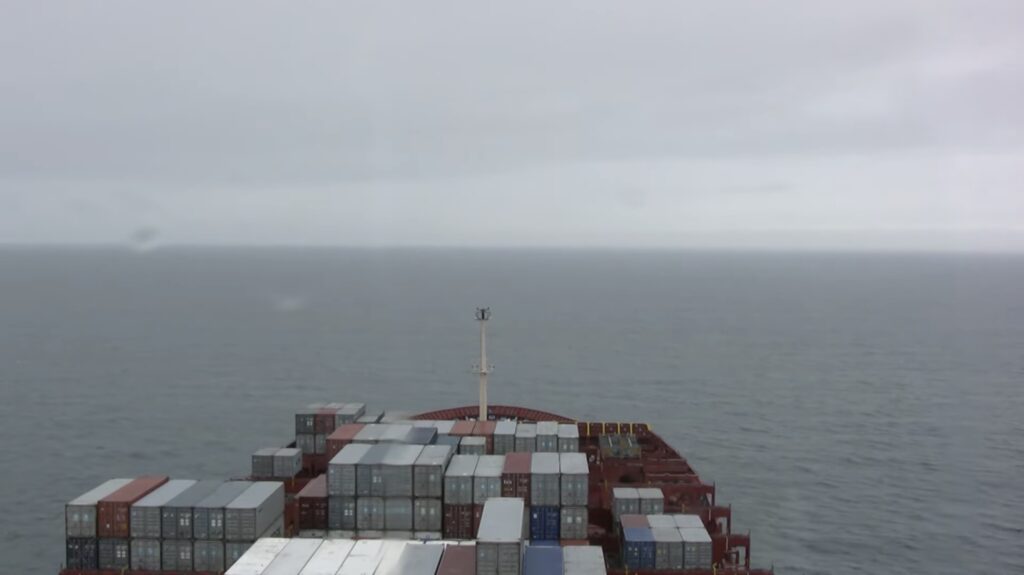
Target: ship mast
482 315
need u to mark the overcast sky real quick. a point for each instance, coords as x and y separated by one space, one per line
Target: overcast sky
891 125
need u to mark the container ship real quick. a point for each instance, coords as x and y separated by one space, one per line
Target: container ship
474 490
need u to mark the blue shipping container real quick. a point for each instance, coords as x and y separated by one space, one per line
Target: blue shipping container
545 523
638 548
545 543
542 561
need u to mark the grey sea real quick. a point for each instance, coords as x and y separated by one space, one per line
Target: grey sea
861 413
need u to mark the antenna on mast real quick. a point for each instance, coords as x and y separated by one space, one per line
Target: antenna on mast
482 315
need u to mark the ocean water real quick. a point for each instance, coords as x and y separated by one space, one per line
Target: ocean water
861 413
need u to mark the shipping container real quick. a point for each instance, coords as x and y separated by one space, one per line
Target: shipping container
306 442
545 481
499 543
487 478
113 512
341 512
397 470
305 419
504 437
458 480
668 548
329 558
263 462
457 560
293 557
146 513
208 514
472 445
252 512
414 559
444 427
568 438
208 555
458 521
696 548
690 521
396 415
398 514
545 523
632 520
323 420
313 506
573 523
234 550
583 560
80 512
421 436
342 436
547 436
462 428
176 554
575 482
370 433
114 554
176 515
349 413
428 471
287 462
342 470
258 557
526 437
625 501
81 553
319 443
369 481
638 550
486 430
661 521
542 561
652 500
396 433
364 558
370 416
427 514
515 476
370 513
619 447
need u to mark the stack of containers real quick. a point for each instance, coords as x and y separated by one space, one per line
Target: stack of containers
113 521
696 547
457 560
341 487
486 430
370 433
499 545
342 436
458 497
542 561
668 548
397 478
276 462
257 512
370 490
208 527
305 428
575 491
473 445
147 524
177 517
547 437
515 475
504 437
258 557
428 489
80 525
568 438
526 437
545 496
486 482
638 548
652 500
583 560
625 501
313 508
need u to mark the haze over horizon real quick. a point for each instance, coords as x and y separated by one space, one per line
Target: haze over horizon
793 125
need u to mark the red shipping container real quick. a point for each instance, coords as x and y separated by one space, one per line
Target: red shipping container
323 421
113 512
485 429
630 521
478 511
341 437
458 560
462 428
515 476
458 522
313 504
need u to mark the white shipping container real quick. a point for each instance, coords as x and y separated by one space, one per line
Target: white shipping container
329 558
258 557
293 557
364 558
487 478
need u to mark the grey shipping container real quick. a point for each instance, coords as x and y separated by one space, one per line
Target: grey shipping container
371 433
668 549
145 554
473 445
396 433
487 478
114 554
428 471
369 481
176 514
568 438
573 523
287 462
661 521
252 512
341 512
451 440
652 500
421 436
625 501
234 550
696 548
583 560
208 514
504 437
208 555
398 513
458 480
370 417
428 514
397 469
320 443
305 442
80 512
176 554
349 413
547 436
341 471
81 553
526 437
687 520
146 514
444 427
575 484
305 418
263 462
370 513
545 483
499 544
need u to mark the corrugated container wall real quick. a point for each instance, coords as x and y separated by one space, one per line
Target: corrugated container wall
547 436
427 514
526 437
504 437
113 512
114 554
342 470
208 556
457 560
176 515
515 477
145 554
545 484
80 512
146 520
252 512
575 484
428 471
652 500
472 445
573 523
263 462
487 478
625 501
583 560
542 561
313 506
397 470
500 537
568 438
293 557
668 549
258 557
287 462
369 481
208 514
398 514
341 513
370 513
458 480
